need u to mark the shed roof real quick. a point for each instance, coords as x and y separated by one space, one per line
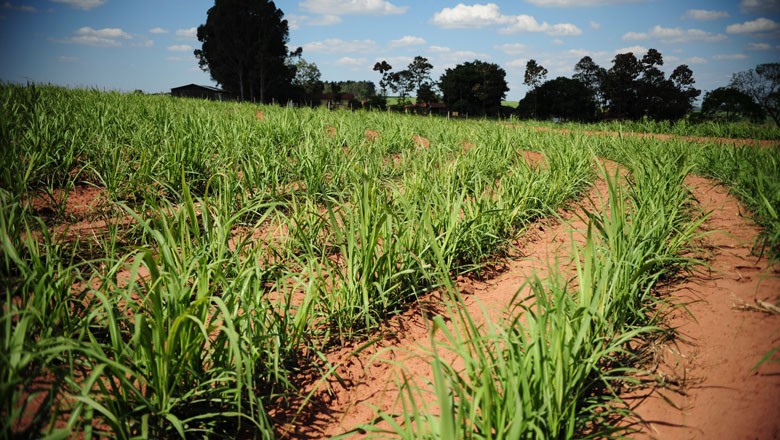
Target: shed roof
209 88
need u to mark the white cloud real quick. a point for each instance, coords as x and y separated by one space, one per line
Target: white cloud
759 6
66 59
82 4
595 25
19 8
512 48
180 48
476 16
562 29
296 21
352 7
674 35
632 36
729 57
517 64
575 3
158 30
638 51
179 59
439 49
445 57
144 42
336 45
758 25
407 40
705 15
189 33
106 37
480 16
557 41
324 20
697 60
759 46
352 62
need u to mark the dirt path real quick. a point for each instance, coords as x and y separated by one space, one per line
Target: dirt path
368 381
738 142
718 345
719 396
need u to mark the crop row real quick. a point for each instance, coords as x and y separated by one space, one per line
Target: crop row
236 243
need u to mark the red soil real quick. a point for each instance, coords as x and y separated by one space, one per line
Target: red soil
718 393
708 369
716 390
667 137
368 380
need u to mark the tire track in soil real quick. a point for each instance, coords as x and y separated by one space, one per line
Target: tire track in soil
718 394
369 379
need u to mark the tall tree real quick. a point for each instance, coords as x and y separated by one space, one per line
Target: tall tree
676 95
592 76
621 86
244 48
474 87
308 77
534 76
402 83
426 93
650 83
763 85
729 103
384 69
420 70
561 97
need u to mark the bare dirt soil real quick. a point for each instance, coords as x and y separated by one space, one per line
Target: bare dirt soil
714 389
739 142
366 379
706 383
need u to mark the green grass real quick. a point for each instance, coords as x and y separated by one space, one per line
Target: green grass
236 250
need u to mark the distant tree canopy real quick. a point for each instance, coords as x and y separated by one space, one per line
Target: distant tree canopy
762 84
631 89
729 103
405 82
561 97
476 88
307 78
244 48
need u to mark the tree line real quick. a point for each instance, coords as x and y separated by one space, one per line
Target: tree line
244 48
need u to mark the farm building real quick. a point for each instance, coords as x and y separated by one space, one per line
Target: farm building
427 108
199 91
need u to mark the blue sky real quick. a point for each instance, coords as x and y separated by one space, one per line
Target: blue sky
141 44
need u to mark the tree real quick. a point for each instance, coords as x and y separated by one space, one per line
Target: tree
620 86
245 48
592 76
561 97
534 74
384 69
731 103
308 78
401 83
533 77
334 89
426 93
362 90
650 84
474 87
420 71
762 84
